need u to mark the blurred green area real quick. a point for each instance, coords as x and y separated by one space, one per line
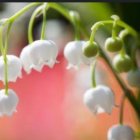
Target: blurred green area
94 11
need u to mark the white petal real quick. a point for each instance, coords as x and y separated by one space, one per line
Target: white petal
74 55
25 59
43 50
8 102
99 99
14 68
76 67
120 132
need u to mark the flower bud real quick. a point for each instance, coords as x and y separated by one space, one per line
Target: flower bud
122 63
74 55
8 102
99 99
133 78
14 68
38 54
113 45
90 49
120 132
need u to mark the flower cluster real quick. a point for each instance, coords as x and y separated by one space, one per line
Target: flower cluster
100 98
74 55
37 54
34 56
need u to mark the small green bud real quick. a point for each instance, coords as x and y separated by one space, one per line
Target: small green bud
122 63
90 49
113 45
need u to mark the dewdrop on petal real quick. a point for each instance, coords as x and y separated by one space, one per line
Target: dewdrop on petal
38 54
74 55
120 132
8 103
99 99
14 68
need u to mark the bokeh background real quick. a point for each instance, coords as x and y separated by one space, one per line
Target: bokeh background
51 102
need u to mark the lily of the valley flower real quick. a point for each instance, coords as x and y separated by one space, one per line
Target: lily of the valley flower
14 68
74 55
99 99
120 132
38 54
8 102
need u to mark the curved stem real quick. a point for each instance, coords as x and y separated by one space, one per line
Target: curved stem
114 29
119 22
60 9
94 29
44 21
30 28
7 37
115 18
75 18
19 13
65 12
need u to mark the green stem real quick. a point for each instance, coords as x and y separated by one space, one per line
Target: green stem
7 37
6 74
44 21
65 12
121 110
119 22
1 40
61 9
5 58
68 16
75 18
94 29
115 18
19 13
93 78
122 52
30 27
114 29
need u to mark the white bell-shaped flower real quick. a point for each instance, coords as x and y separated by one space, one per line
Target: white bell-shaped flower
120 132
14 68
99 99
133 78
74 55
38 54
8 102
26 61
